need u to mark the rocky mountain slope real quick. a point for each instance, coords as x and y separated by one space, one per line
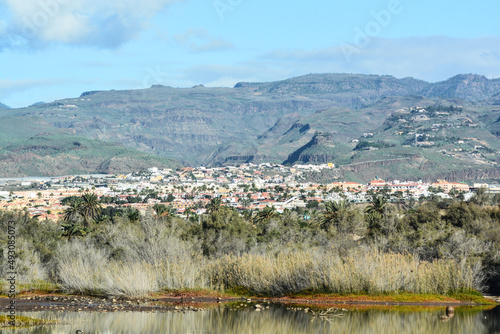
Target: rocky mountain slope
257 122
64 154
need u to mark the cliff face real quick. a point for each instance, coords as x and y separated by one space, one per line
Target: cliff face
320 149
470 174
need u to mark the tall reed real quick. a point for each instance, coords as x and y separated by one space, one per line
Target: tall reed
360 271
85 269
82 268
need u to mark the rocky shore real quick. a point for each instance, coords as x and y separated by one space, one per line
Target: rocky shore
65 303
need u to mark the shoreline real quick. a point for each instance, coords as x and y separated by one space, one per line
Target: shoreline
198 301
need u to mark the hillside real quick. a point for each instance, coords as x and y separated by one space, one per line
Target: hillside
468 87
65 154
261 122
438 141
342 124
320 149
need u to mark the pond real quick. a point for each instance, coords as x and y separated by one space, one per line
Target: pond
277 318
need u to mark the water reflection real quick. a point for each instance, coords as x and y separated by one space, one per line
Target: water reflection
277 319
491 320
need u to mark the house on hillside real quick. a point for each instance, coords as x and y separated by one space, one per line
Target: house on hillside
421 118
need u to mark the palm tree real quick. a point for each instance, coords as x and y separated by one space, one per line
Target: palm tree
190 211
160 209
266 214
248 214
73 210
377 205
332 208
73 229
90 207
374 213
246 202
215 205
133 214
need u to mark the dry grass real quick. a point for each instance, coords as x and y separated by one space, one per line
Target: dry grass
85 269
30 272
82 268
361 271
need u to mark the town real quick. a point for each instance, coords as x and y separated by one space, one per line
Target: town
188 190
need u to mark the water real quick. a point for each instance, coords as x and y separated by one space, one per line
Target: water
276 319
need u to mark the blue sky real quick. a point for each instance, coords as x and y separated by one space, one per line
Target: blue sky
53 49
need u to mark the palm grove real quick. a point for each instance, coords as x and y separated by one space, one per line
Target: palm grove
389 245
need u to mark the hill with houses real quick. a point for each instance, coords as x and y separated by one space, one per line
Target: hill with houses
364 124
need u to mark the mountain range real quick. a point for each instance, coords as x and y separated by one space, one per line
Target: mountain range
366 124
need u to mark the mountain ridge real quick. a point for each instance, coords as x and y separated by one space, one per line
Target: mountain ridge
260 122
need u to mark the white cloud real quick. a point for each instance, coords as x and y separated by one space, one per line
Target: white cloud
430 58
3 27
216 75
103 23
224 82
8 86
199 40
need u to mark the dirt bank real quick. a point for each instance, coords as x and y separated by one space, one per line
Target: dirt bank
189 301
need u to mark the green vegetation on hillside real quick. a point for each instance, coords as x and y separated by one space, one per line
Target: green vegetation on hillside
63 154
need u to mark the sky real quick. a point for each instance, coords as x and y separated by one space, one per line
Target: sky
54 49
